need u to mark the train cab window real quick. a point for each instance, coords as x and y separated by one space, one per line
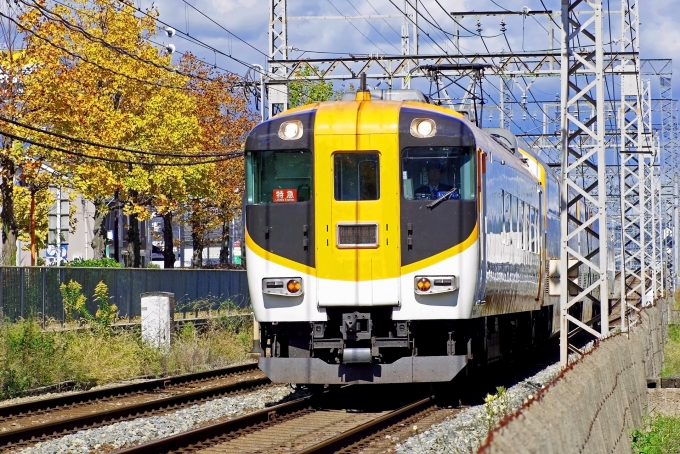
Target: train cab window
432 172
279 176
356 176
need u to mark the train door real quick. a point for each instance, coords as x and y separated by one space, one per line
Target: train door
358 259
483 224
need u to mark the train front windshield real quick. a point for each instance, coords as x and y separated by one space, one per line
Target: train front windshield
433 172
279 176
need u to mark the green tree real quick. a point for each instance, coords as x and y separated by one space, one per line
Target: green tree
301 92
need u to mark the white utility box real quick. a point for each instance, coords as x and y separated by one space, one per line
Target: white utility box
157 317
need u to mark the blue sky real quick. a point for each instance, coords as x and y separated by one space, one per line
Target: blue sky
660 36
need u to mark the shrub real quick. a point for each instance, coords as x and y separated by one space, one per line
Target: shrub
100 263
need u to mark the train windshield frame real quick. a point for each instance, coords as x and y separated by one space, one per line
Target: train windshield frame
432 172
279 176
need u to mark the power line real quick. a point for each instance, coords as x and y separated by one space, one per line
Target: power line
201 43
223 28
369 23
77 28
171 70
164 153
114 160
86 60
356 28
388 24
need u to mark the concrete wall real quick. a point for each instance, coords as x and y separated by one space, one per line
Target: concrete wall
595 403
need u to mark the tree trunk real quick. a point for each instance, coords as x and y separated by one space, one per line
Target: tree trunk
99 233
197 243
134 242
224 247
9 222
168 241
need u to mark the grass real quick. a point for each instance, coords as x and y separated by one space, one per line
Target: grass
659 435
671 366
31 357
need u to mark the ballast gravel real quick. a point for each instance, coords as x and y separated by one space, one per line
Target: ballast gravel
141 430
465 432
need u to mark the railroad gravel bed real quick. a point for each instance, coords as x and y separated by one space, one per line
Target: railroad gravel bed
141 430
465 432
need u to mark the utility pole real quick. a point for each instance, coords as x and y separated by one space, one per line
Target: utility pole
582 151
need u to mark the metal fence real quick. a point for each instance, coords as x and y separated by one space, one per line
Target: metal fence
35 290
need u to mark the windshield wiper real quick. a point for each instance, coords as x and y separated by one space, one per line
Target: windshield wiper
440 199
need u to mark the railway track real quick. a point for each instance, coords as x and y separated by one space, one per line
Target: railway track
28 423
319 424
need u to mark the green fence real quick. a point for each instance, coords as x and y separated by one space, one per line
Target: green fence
35 290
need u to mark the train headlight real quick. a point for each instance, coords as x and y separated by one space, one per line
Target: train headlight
423 127
290 130
427 285
284 286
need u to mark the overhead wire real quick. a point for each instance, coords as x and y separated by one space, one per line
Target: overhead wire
356 28
115 160
188 38
223 28
171 70
77 28
439 28
87 60
161 153
442 49
373 27
388 24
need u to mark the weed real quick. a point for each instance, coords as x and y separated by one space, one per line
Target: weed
30 357
496 407
74 300
106 312
659 435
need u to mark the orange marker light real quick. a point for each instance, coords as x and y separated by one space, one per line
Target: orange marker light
293 286
424 284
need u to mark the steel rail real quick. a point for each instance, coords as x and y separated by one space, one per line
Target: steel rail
60 427
150 385
368 429
192 437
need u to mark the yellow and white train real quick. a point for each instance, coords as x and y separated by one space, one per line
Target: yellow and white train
391 240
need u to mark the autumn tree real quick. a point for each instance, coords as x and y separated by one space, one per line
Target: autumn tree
224 118
13 63
99 78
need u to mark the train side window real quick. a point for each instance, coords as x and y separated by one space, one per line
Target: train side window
356 176
279 176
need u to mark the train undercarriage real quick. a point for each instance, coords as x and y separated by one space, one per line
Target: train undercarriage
366 345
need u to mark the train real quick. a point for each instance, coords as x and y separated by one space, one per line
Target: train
391 240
